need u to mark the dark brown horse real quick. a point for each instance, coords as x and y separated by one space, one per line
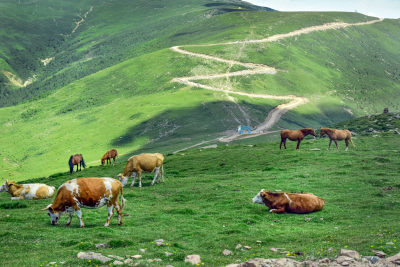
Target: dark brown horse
110 154
335 135
76 159
295 135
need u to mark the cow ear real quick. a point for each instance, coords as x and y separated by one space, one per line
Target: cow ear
48 207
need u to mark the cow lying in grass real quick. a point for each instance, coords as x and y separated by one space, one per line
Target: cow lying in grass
143 162
280 202
89 193
27 191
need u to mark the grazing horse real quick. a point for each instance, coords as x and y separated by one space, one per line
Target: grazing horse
335 134
76 159
295 135
110 154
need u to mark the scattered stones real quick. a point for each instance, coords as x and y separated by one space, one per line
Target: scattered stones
159 242
258 242
210 146
330 249
226 252
350 253
307 219
169 265
315 149
93 256
193 259
274 249
345 263
325 260
128 261
395 259
372 259
389 243
136 256
238 246
62 262
115 257
118 263
142 250
105 245
342 259
154 260
379 254
247 247
52 262
167 254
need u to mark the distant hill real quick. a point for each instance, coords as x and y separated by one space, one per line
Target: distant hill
110 83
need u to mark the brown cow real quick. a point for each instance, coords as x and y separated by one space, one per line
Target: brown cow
89 193
280 202
295 135
143 162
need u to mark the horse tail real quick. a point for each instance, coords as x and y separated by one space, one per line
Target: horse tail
71 165
83 163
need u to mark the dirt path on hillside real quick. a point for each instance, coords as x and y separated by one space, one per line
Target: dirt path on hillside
275 114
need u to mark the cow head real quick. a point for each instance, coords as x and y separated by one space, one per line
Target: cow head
4 187
258 198
54 216
123 179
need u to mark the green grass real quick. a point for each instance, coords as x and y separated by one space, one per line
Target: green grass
204 206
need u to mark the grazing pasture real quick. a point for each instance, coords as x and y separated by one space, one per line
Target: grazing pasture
205 206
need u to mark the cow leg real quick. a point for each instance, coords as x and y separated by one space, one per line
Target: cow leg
161 176
278 210
155 175
17 198
78 213
71 214
119 210
110 210
140 178
133 177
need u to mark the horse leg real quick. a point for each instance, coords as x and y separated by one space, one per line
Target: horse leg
337 147
77 166
280 146
114 161
284 143
330 143
298 144
347 144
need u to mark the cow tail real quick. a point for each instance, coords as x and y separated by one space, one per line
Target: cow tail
71 165
122 198
83 163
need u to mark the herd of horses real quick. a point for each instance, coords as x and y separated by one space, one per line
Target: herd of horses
333 134
78 160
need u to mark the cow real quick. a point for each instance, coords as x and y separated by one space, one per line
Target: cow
143 162
88 192
280 202
27 191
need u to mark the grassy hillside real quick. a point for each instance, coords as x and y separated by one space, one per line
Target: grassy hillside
109 32
135 107
204 206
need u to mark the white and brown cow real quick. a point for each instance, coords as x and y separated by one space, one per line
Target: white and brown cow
146 162
86 192
280 202
27 191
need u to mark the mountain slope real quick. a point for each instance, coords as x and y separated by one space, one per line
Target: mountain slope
136 106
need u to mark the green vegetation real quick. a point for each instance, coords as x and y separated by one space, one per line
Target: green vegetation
204 206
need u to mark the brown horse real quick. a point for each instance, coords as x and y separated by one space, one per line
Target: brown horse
295 135
76 159
335 134
110 154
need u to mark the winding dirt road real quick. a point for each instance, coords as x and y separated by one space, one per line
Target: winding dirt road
252 69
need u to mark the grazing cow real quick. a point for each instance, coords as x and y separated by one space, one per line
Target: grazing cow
295 135
89 193
110 154
143 162
27 191
335 135
280 202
